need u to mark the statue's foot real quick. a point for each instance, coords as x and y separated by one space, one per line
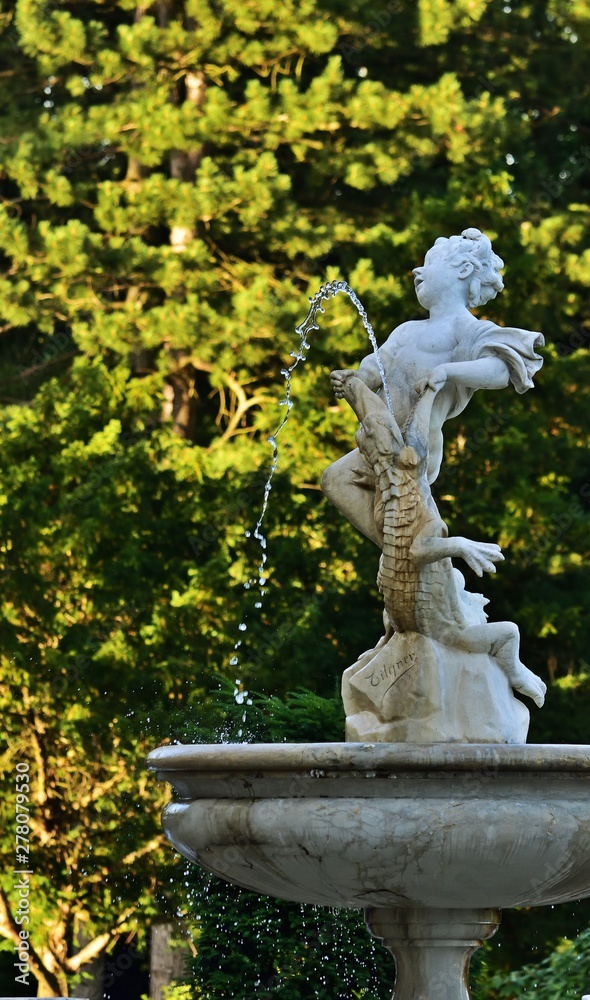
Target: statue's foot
527 683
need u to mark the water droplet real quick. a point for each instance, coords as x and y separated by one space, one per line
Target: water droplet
234 661
242 627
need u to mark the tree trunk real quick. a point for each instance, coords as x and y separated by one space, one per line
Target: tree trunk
167 962
91 986
183 166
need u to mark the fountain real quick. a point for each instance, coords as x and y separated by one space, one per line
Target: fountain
434 814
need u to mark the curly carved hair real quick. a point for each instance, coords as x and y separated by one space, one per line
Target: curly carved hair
473 246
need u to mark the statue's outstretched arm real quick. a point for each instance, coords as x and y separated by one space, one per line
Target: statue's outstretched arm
483 373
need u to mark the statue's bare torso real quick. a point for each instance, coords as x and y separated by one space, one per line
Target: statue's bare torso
409 355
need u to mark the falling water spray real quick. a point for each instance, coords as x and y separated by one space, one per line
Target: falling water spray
324 293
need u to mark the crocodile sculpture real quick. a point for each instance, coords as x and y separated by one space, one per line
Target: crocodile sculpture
423 592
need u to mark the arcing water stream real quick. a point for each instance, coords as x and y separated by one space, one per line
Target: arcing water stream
324 293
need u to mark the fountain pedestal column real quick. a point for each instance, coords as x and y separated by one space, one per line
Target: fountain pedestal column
432 948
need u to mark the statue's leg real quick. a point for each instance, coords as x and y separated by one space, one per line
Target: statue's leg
505 649
502 641
357 502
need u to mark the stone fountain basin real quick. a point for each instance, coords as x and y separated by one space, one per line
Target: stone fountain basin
385 825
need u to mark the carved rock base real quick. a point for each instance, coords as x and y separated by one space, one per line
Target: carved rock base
432 948
415 690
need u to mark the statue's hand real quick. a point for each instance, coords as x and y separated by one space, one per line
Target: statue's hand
480 556
437 378
339 380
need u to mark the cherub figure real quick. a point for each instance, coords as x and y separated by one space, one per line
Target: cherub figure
423 592
451 352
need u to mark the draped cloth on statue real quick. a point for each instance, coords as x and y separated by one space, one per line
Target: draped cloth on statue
517 348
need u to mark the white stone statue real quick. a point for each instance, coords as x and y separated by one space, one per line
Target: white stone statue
441 672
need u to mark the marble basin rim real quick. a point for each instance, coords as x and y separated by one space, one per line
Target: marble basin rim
385 825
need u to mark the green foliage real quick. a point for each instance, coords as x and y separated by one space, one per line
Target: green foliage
233 714
182 992
564 973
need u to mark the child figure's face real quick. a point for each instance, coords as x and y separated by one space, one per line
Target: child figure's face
437 278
